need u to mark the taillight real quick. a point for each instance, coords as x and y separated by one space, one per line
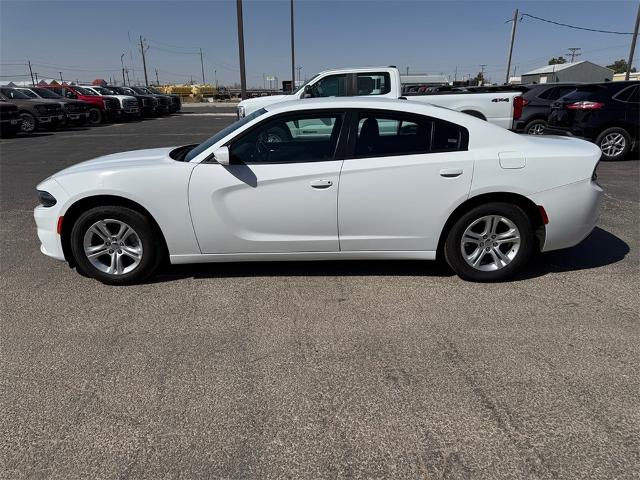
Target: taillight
585 106
525 102
518 104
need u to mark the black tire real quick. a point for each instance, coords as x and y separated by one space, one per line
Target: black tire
29 123
612 132
453 248
532 128
95 116
152 250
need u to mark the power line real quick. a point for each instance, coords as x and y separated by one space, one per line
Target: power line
573 26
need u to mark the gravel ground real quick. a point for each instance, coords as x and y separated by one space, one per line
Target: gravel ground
313 370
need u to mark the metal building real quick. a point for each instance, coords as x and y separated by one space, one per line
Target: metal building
583 71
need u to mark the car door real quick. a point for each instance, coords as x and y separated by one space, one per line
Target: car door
399 181
279 193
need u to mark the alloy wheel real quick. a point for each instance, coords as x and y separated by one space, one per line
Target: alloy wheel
28 123
536 129
490 243
613 144
112 246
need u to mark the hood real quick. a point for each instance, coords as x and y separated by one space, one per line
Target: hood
119 161
259 102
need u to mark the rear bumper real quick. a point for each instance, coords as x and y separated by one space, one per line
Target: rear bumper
573 212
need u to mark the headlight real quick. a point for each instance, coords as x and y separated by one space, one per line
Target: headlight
240 111
46 199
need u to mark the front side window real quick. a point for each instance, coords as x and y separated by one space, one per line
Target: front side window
293 138
11 93
398 134
29 93
330 86
374 83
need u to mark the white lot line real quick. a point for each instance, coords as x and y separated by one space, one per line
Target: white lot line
225 114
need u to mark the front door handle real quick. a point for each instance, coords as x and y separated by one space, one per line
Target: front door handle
450 172
320 184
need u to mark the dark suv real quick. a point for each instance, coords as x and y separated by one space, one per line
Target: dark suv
536 103
607 114
147 104
176 101
34 113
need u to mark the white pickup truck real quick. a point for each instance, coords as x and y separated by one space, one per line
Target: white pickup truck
500 107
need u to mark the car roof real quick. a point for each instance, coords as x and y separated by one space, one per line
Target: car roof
348 102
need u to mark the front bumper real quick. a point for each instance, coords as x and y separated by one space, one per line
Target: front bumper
50 118
573 212
47 220
10 123
77 117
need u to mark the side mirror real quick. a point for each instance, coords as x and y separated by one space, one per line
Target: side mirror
307 92
221 155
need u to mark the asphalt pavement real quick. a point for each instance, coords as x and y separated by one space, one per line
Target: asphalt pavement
313 370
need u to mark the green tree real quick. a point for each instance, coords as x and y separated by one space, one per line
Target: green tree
557 61
620 66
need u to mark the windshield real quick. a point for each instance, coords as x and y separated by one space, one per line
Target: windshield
45 93
222 133
85 91
29 93
153 90
304 84
103 91
11 93
140 90
125 91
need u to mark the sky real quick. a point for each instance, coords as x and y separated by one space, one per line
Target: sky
85 39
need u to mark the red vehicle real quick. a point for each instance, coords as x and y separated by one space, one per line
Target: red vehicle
101 110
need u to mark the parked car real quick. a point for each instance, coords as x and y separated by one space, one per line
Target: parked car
148 104
438 184
75 111
102 109
34 113
537 106
498 107
607 114
222 93
128 104
164 101
9 118
176 101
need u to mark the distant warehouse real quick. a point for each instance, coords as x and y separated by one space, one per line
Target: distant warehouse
584 71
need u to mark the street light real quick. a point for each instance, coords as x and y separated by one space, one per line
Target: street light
122 62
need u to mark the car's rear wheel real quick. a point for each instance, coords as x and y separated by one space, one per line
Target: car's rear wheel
29 123
116 245
615 143
490 242
95 116
535 127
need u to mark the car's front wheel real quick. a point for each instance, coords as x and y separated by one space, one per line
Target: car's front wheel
490 242
29 123
535 127
615 143
116 245
95 116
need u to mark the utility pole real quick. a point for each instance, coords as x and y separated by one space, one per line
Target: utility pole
513 38
61 81
299 68
122 62
36 74
215 77
157 81
574 53
144 62
407 69
293 54
243 76
633 45
127 72
202 66
482 71
31 72
455 75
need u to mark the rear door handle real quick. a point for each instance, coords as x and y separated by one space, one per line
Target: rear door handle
450 172
321 184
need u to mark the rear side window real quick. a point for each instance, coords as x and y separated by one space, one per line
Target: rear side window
374 83
385 134
556 92
635 96
628 95
587 92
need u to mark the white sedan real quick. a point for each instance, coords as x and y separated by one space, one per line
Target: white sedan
327 179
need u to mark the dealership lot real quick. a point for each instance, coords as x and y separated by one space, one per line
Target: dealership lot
324 369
